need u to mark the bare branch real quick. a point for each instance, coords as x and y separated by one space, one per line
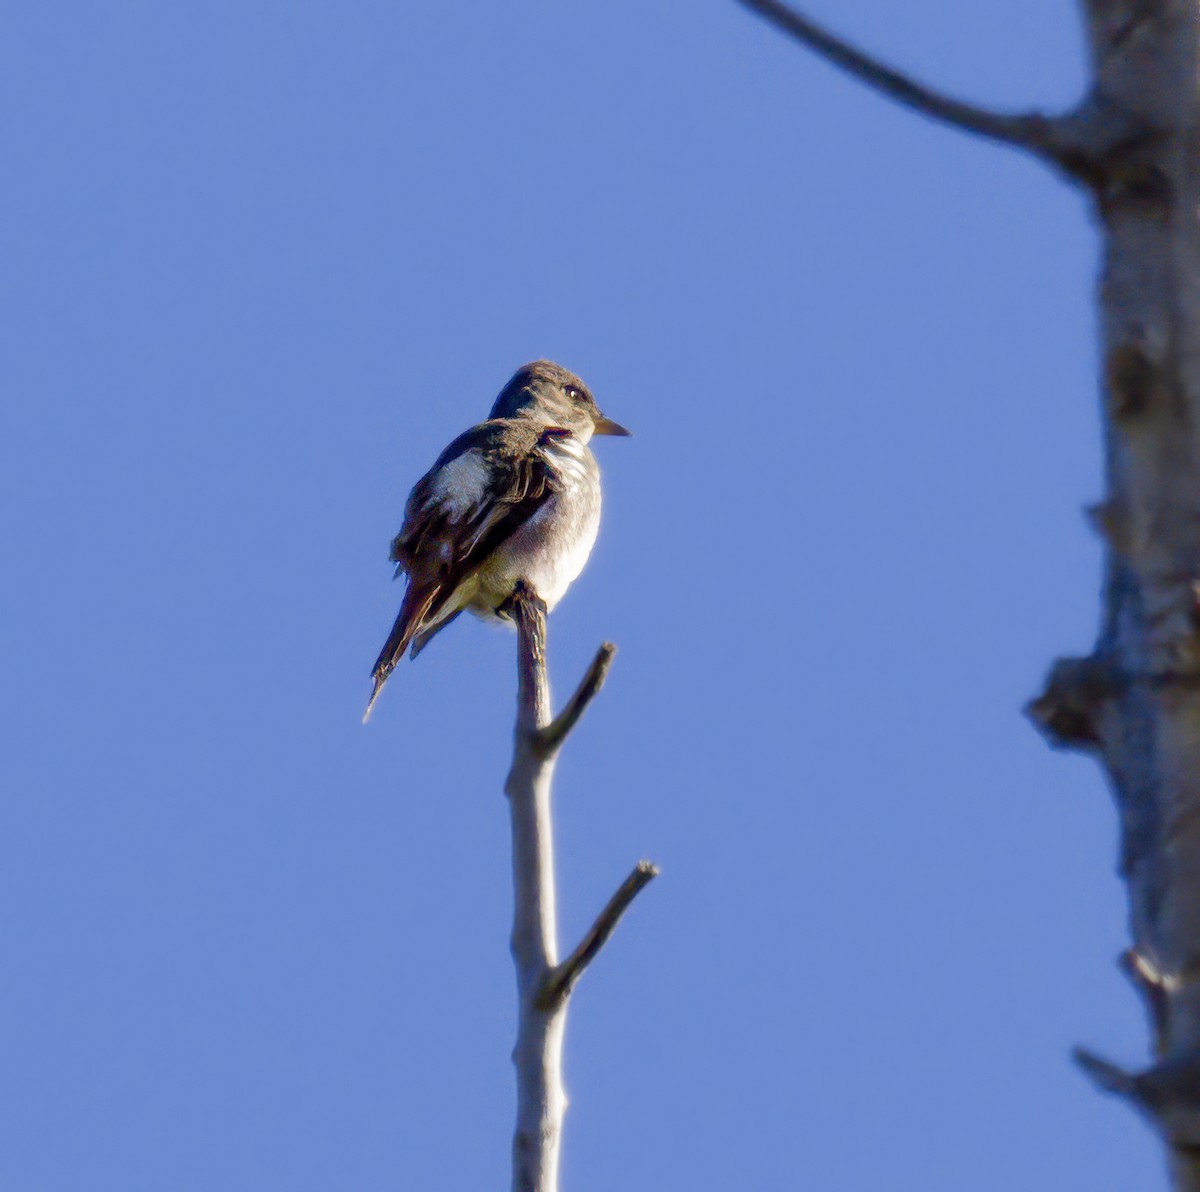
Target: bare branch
555 733
1030 130
542 983
1106 1076
537 1056
1168 1094
528 612
561 979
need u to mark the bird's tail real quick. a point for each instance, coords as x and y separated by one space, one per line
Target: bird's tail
413 612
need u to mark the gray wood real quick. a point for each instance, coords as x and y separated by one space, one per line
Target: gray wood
1133 144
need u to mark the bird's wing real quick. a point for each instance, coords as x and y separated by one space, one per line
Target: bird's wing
483 488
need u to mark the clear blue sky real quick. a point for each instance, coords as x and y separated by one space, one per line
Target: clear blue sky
261 261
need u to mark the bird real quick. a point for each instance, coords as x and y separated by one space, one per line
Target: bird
514 500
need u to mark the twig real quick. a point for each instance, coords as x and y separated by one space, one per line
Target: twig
561 980
556 732
1031 130
1104 1075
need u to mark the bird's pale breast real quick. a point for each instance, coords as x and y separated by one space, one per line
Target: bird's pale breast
550 550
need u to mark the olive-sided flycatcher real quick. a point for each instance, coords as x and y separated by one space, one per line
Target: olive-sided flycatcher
516 498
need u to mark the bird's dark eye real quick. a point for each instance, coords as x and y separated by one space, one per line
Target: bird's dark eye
572 393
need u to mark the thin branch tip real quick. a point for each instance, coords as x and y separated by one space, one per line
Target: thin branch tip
562 978
556 732
1104 1075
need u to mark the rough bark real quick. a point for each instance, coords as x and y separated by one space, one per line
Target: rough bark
1134 703
544 984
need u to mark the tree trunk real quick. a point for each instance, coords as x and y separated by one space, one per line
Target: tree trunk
1136 701
1134 143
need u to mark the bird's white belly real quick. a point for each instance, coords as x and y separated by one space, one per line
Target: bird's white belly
548 552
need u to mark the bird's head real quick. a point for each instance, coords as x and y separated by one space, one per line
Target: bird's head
555 397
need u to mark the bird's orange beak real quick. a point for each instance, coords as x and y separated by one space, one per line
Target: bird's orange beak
606 426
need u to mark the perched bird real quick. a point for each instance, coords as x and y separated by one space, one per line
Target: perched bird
516 498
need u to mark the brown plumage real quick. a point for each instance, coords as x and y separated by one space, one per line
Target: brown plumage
515 498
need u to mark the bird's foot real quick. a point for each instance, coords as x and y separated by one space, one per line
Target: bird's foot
522 593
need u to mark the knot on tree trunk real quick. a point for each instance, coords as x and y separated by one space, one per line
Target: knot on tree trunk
1067 713
1168 1093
